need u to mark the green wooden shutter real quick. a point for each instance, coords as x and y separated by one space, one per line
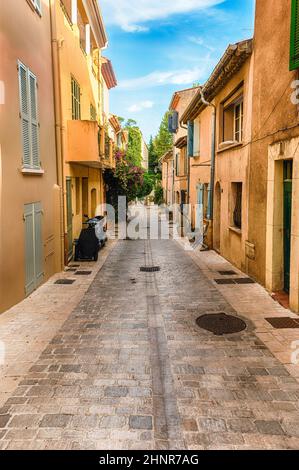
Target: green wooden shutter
38 244
29 248
294 49
35 153
190 139
34 263
25 114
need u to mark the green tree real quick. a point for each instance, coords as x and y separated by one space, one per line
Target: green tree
163 140
134 151
153 159
131 123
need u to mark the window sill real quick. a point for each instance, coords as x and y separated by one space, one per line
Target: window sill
236 230
32 171
223 147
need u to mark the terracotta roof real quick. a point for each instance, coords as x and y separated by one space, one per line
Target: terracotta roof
177 95
230 63
108 73
166 156
181 142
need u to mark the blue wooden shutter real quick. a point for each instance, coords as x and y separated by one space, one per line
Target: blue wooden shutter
35 152
190 138
25 114
294 43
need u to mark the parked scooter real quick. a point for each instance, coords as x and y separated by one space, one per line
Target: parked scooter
91 239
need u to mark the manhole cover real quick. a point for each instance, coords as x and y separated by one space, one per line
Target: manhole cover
150 269
65 281
283 322
221 323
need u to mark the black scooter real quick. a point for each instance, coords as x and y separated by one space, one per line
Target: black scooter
91 239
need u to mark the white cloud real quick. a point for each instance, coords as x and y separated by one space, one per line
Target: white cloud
173 77
131 15
199 41
140 106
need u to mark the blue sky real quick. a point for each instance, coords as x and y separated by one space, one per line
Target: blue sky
160 46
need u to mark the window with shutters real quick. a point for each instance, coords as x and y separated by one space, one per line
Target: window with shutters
294 45
76 99
29 117
232 121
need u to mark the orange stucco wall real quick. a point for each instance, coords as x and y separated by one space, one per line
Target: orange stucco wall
275 118
25 36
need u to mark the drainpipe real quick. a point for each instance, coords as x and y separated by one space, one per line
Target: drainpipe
56 45
213 155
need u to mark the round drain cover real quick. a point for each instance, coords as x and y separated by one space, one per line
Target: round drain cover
221 323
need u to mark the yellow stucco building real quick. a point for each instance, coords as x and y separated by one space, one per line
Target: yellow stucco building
83 78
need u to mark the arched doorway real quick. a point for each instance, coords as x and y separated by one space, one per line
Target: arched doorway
217 217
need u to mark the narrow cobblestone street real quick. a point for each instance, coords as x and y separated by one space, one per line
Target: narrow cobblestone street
130 369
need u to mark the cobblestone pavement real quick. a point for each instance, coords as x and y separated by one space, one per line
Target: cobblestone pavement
130 369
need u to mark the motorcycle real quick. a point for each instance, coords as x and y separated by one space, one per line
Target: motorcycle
92 239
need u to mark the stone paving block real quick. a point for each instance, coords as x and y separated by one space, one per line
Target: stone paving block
4 419
55 421
22 434
25 421
291 428
116 391
241 425
211 425
141 422
85 422
269 427
190 425
112 422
